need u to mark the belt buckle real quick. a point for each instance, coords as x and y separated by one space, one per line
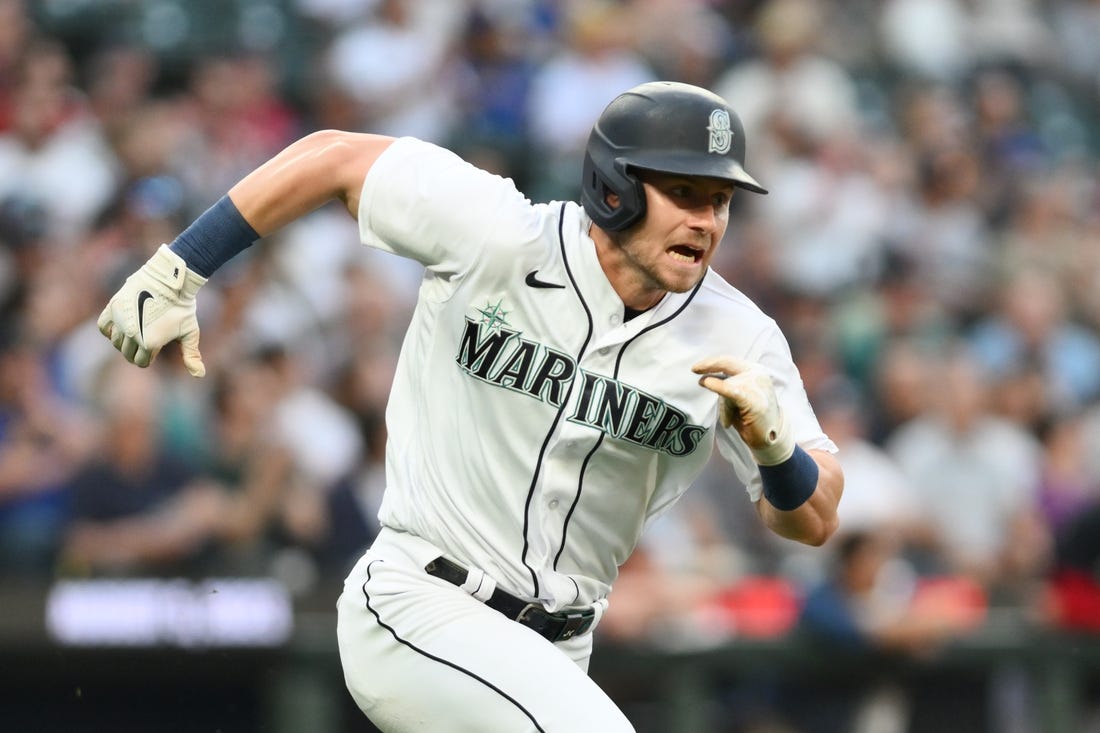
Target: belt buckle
573 623
521 617
535 617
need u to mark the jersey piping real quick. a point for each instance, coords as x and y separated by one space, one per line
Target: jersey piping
599 441
557 417
434 658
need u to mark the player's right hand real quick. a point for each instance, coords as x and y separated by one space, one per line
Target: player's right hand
156 305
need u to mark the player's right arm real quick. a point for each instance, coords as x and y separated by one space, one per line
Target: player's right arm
156 305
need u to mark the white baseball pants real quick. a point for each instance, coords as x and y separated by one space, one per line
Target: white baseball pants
421 655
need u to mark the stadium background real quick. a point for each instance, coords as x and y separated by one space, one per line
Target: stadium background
931 246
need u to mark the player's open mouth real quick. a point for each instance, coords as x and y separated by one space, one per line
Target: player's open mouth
685 253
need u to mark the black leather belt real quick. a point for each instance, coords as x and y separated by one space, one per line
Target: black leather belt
553 626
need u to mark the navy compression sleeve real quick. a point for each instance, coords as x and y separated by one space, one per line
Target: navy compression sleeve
789 484
213 239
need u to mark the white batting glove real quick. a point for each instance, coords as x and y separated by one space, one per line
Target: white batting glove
748 403
156 305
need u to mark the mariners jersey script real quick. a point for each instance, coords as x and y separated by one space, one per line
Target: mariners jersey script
504 358
533 433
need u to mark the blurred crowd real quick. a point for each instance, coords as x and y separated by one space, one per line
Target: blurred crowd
930 245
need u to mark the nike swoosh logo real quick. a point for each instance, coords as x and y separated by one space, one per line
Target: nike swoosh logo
143 296
534 282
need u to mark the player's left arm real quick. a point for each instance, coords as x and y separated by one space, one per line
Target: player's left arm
802 488
814 521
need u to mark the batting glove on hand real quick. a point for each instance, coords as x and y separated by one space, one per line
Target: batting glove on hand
154 306
748 403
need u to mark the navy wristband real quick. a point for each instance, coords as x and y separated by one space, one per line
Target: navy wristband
789 484
213 239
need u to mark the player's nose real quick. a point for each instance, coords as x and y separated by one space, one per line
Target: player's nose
702 218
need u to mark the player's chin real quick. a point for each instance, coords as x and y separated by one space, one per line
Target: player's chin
680 275
682 282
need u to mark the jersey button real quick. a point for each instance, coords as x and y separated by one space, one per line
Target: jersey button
553 504
615 318
605 351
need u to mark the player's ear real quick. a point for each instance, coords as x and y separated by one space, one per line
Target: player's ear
613 200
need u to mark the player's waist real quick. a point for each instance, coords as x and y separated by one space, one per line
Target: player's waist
553 626
432 560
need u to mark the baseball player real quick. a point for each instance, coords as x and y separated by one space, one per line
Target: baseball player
567 372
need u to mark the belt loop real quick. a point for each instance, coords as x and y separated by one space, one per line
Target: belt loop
479 584
598 608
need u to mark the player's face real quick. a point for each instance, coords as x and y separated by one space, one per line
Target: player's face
669 251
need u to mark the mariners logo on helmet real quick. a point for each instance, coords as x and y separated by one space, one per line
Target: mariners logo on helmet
721 136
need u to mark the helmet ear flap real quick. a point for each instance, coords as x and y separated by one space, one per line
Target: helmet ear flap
599 181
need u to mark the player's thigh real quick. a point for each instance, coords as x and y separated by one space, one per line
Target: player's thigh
418 657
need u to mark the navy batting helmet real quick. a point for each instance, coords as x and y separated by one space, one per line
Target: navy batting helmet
660 126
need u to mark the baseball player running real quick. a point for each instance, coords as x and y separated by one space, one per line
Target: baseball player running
567 372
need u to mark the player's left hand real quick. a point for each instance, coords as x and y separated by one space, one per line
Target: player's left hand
156 305
748 404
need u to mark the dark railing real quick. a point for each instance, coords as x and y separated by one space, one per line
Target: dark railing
297 685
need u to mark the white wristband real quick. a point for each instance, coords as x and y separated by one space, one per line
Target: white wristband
779 447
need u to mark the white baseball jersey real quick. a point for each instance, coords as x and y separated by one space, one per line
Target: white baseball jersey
532 432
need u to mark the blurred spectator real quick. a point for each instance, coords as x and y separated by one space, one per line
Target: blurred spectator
1031 326
791 96
877 495
51 135
866 601
1068 489
391 64
927 39
236 120
56 302
316 284
1011 32
137 509
494 79
1012 151
120 80
898 306
830 216
1074 602
353 503
16 28
1044 230
929 116
684 40
22 232
335 12
669 588
977 477
873 602
43 442
247 459
324 442
1077 24
948 236
898 386
597 61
